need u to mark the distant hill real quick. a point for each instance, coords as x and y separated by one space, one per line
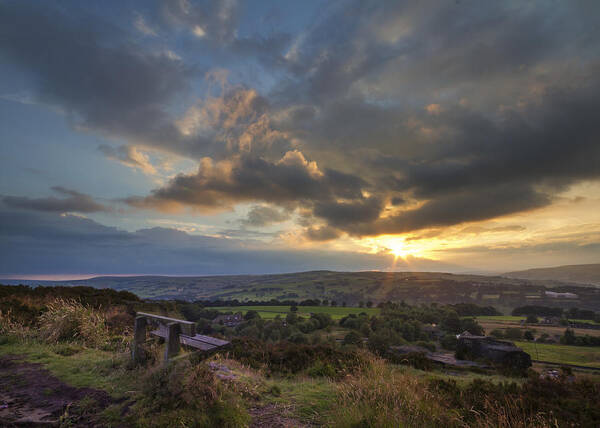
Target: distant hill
348 287
580 274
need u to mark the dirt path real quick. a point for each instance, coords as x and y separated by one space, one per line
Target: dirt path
272 416
31 396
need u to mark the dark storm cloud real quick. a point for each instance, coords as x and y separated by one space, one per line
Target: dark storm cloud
31 243
457 208
93 71
347 214
72 201
262 215
292 179
323 233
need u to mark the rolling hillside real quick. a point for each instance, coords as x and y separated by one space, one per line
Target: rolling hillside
580 274
349 288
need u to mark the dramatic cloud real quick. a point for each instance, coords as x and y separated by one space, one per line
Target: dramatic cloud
107 84
263 215
71 202
219 185
344 122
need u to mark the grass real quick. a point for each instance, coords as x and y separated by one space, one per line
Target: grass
578 355
500 318
513 318
270 312
310 399
87 368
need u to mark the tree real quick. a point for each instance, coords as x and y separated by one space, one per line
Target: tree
568 337
291 318
361 304
294 308
369 304
251 314
449 342
451 323
532 319
333 303
472 326
528 335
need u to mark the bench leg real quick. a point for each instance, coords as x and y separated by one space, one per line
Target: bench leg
171 341
139 337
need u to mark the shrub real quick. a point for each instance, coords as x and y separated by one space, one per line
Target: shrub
532 319
183 394
353 338
427 345
513 333
286 357
69 320
449 342
321 369
497 333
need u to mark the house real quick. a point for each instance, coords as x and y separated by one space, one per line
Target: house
229 320
556 295
550 321
487 348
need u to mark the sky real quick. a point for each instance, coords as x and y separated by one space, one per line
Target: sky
184 137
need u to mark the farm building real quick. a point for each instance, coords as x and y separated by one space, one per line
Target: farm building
487 348
229 320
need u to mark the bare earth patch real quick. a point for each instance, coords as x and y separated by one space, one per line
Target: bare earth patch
272 416
32 396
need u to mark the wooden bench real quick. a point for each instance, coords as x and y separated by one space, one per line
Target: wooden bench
175 332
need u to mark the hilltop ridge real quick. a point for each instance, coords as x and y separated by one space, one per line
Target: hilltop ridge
580 274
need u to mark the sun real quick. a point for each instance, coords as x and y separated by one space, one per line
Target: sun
397 246
398 249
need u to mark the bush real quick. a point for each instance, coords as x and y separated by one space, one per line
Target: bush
289 358
69 320
449 342
353 338
532 319
497 333
381 340
183 394
427 345
513 333
321 369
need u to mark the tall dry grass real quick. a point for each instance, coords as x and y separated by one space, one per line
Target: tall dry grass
69 320
511 413
10 327
382 396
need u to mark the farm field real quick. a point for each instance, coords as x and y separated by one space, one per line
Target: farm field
579 355
517 319
269 312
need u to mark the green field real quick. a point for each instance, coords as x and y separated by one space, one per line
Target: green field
511 319
500 318
578 355
269 312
